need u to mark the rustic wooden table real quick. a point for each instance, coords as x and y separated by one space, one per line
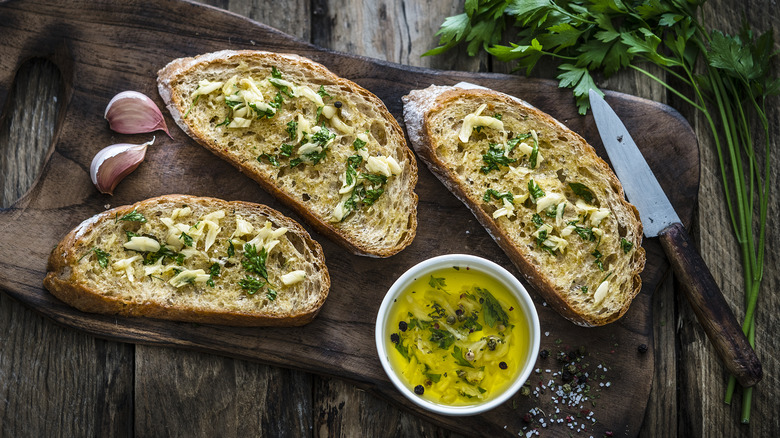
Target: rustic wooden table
56 381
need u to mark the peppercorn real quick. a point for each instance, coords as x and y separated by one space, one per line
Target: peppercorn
419 390
337 104
642 348
525 391
544 354
403 326
609 433
451 319
502 365
566 376
394 338
527 418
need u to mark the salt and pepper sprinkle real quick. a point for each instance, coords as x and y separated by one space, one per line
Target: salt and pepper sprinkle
564 383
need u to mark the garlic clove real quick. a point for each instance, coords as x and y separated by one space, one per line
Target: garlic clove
131 112
115 162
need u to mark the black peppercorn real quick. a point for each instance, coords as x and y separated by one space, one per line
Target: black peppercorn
402 326
642 348
419 390
544 354
394 338
566 376
337 104
502 365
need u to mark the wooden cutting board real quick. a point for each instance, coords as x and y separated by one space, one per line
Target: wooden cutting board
104 47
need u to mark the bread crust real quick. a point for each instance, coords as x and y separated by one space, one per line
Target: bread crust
64 283
177 108
419 105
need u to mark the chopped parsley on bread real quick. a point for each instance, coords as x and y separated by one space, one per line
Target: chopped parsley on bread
195 259
321 144
546 198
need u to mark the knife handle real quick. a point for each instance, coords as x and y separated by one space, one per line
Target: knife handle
711 308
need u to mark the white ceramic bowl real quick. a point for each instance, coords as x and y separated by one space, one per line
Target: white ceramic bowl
479 264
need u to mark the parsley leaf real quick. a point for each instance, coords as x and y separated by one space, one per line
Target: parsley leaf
251 284
437 282
253 261
534 190
133 216
492 310
491 193
582 191
457 353
442 338
102 257
213 272
626 245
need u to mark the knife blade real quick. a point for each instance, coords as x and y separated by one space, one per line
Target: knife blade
659 219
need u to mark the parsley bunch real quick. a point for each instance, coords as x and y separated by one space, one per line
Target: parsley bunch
727 78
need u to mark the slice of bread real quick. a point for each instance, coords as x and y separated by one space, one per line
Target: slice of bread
542 193
322 145
188 258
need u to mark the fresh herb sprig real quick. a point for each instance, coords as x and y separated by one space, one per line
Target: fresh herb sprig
730 90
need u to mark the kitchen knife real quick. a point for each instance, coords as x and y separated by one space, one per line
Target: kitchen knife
659 219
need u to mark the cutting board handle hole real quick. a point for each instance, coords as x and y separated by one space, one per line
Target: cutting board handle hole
30 117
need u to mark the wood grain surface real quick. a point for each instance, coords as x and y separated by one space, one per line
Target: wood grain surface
56 381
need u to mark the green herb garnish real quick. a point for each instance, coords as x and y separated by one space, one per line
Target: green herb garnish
437 282
270 158
213 272
443 338
186 238
492 310
458 355
251 284
494 158
323 93
626 245
253 261
102 257
358 144
292 129
231 250
534 190
491 193
582 191
133 216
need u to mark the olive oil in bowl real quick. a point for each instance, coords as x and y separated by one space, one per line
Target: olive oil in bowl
458 336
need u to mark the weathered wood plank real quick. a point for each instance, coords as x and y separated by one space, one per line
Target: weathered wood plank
397 31
703 379
193 394
53 381
226 397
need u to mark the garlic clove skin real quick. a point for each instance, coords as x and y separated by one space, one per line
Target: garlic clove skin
131 112
115 162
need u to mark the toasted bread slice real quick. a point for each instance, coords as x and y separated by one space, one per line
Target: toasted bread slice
195 259
540 190
322 145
